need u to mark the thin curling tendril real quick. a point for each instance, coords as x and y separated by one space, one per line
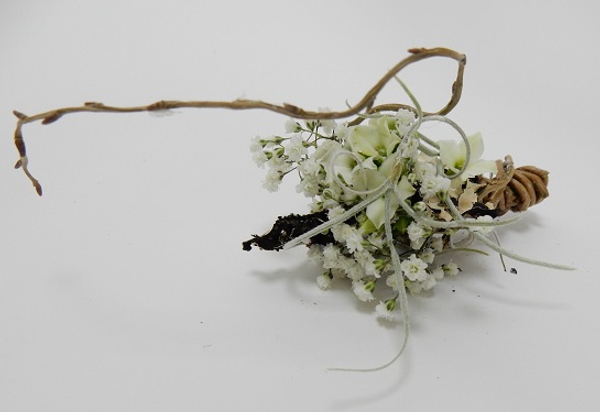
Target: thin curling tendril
366 103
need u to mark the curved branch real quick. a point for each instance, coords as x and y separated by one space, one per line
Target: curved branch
366 103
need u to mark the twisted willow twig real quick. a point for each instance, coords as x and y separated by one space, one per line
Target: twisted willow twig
365 104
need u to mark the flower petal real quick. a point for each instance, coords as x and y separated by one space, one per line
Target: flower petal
476 145
451 154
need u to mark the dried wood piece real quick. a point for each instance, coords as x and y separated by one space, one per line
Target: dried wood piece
515 189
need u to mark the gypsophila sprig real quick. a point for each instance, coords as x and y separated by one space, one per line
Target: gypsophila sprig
386 202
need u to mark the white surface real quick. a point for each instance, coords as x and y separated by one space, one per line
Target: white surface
125 287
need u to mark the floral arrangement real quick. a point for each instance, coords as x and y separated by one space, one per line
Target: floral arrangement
386 200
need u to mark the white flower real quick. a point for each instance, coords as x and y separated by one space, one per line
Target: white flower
409 147
454 156
428 283
332 258
394 281
309 185
377 240
437 243
353 270
315 252
335 212
354 241
342 131
450 268
438 273
404 189
327 124
260 158
367 261
427 255
292 126
295 148
309 167
414 268
363 292
276 162
258 155
417 234
433 184
324 281
386 310
256 145
346 234
310 179
272 180
414 288
485 229
423 168
374 139
404 120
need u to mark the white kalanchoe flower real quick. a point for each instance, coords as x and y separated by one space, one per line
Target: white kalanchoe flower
404 189
454 156
374 139
414 268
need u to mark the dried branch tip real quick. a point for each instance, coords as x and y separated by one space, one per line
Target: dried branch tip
514 189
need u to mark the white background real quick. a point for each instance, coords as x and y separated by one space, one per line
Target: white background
125 288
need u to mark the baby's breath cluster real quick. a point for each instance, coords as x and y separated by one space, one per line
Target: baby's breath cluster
387 190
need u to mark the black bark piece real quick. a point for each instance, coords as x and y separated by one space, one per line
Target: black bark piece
290 227
479 209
